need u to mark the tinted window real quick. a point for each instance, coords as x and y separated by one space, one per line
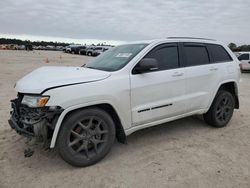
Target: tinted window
244 57
196 55
167 56
98 48
218 53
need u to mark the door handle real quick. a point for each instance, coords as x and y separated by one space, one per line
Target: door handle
177 74
213 69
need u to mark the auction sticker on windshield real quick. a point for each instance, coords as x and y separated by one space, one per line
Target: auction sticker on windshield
127 55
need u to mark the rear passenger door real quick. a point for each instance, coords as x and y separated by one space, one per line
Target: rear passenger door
207 65
202 77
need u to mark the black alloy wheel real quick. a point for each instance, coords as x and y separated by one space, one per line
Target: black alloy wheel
221 110
86 137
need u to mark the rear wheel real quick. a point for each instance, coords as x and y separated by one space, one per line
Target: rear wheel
221 110
89 54
86 137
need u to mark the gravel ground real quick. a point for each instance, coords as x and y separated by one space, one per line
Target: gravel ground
183 153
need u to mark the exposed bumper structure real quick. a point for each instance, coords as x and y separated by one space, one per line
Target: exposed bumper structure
14 125
33 122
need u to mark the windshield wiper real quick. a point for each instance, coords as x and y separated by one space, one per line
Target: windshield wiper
91 67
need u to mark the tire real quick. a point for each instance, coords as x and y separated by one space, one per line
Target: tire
89 54
86 137
221 110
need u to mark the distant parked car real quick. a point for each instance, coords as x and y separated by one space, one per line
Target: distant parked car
95 51
244 59
90 50
100 50
59 48
21 47
76 49
83 51
49 47
68 49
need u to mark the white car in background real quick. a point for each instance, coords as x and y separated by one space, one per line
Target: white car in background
244 59
237 54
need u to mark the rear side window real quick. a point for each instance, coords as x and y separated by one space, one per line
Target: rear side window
218 53
243 57
196 55
166 55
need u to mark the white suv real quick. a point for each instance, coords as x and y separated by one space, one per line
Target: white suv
244 58
81 110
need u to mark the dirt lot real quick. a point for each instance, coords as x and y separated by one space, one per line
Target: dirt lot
183 153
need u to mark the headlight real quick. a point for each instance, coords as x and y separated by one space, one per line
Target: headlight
35 101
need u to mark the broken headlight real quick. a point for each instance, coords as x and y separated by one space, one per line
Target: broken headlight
34 101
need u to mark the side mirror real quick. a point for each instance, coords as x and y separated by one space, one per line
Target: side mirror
146 65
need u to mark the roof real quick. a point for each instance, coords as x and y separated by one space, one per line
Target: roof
243 52
177 39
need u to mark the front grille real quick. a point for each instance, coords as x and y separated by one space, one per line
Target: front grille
32 115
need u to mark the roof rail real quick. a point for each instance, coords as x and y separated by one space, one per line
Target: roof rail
190 38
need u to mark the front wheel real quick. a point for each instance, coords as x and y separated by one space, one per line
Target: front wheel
221 110
86 137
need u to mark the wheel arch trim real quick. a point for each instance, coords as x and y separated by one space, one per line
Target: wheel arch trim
219 86
75 107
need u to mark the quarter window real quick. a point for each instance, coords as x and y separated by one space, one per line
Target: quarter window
218 53
196 55
166 55
244 57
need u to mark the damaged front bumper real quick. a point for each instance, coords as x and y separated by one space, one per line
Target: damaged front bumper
33 122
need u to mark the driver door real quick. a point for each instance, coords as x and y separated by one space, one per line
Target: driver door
159 94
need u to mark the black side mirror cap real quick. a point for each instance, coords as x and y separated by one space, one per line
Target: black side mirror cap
146 65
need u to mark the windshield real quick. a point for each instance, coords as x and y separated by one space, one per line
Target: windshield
116 58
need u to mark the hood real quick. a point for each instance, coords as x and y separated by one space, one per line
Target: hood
48 77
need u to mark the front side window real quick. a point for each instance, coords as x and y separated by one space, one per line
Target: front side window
166 56
243 57
196 55
218 53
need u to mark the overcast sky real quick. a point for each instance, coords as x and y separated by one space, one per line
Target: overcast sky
116 20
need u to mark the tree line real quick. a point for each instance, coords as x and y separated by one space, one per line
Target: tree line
236 48
33 43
